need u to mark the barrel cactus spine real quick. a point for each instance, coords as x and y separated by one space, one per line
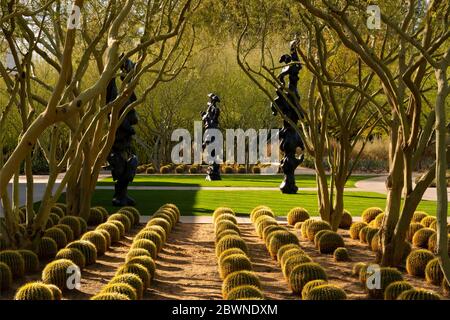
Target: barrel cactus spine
239 278
304 273
58 273
34 291
14 261
394 289
297 214
88 250
72 254
30 259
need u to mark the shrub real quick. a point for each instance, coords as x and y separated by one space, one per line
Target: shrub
292 262
341 254
427 221
97 239
34 291
138 270
122 218
421 237
433 272
160 222
132 280
121 288
304 229
58 235
58 211
56 292
413 228
135 212
47 248
288 254
112 229
237 279
159 229
14 261
229 242
315 227
119 226
245 292
256 170
110 296
279 239
229 252
150 170
387 276
226 233
394 289
6 277
67 231
326 292
287 248
370 214
137 252
418 294
357 268
228 170
227 217
233 263
418 216
72 254
147 262
355 228
417 262
164 170
346 220
297 215
241 170
329 242
304 273
145 244
73 223
88 250
193 170
311 285
30 259
152 236
378 221
96 217
107 237
56 272
262 211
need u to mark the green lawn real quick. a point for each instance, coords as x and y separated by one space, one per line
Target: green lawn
228 180
204 202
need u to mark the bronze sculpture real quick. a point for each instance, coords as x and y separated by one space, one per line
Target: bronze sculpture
122 161
210 119
287 101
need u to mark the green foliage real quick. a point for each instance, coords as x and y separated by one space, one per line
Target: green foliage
58 235
30 259
110 296
229 242
97 239
311 285
58 272
304 273
88 250
315 227
112 229
297 214
433 272
279 239
34 291
245 292
329 242
418 294
144 244
67 231
119 226
418 216
370 214
47 248
413 228
152 236
394 289
96 217
357 268
138 270
421 237
233 263
132 280
147 262
417 262
122 218
121 288
72 254
346 220
237 279
326 292
341 254
229 252
6 277
286 248
73 223
387 276
427 221
292 262
355 229
160 222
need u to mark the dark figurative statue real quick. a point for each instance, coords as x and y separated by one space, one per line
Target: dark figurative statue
287 101
122 161
210 120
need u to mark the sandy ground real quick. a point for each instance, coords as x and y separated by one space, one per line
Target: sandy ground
187 267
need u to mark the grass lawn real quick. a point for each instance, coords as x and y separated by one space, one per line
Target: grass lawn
204 202
228 180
